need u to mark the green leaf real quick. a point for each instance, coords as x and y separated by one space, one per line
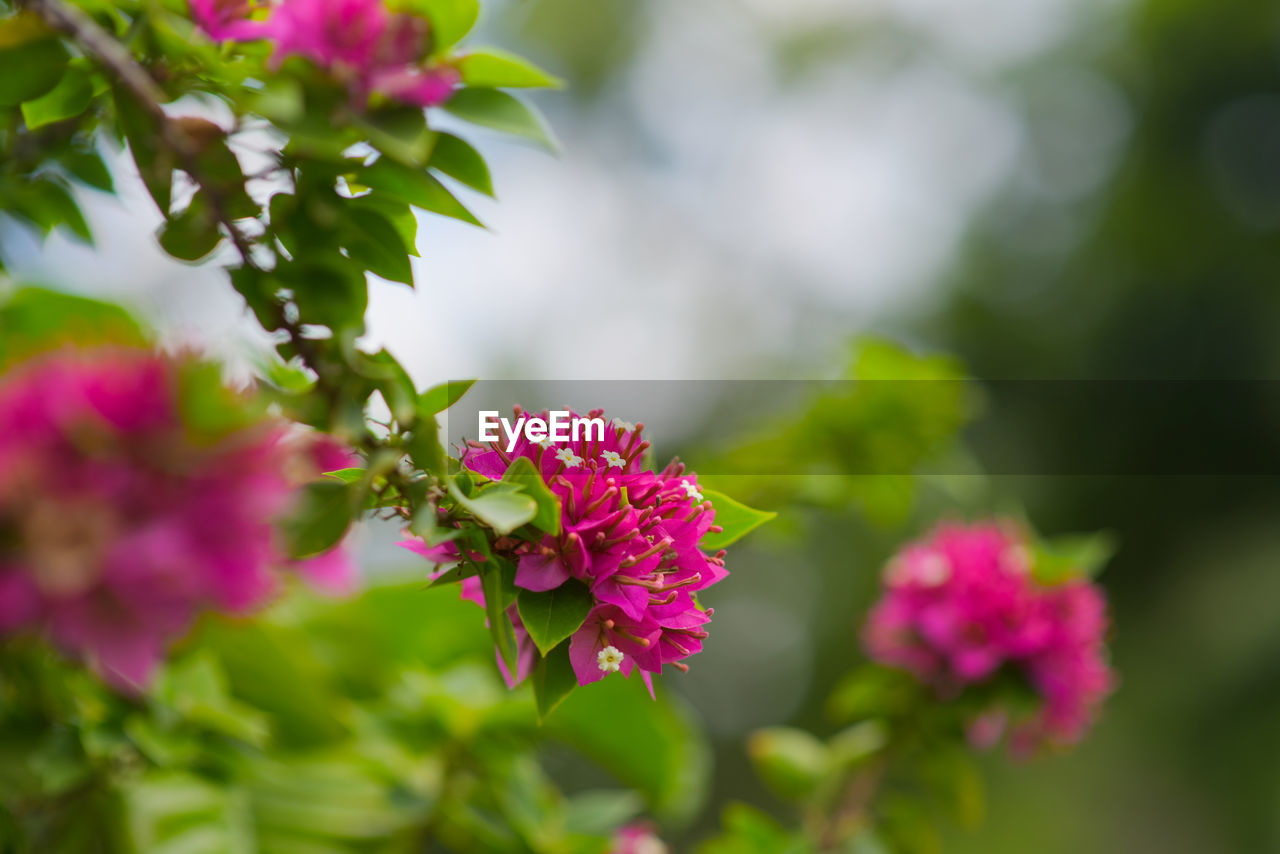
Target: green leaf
450 20
321 518
69 98
374 243
497 580
456 158
352 475
497 69
553 680
1062 559
193 233
502 112
438 398
665 755
601 812
522 473
154 161
34 319
31 62
328 290
553 615
89 168
736 518
504 510
415 186
790 761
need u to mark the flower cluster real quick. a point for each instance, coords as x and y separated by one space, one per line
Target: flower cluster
359 42
963 604
119 522
631 535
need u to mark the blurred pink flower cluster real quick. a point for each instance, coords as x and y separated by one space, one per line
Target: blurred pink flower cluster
120 522
962 605
359 42
630 535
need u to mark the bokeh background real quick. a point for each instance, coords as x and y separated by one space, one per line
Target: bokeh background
1043 189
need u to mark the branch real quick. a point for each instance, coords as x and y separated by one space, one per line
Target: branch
107 51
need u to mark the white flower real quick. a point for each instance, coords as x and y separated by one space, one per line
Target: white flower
691 491
613 458
568 457
933 570
623 425
609 659
545 443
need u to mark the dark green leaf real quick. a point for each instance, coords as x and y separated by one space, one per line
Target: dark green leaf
497 581
193 233
374 243
553 680
154 161
415 186
735 518
456 158
329 291
69 98
501 112
553 615
493 68
89 168
31 62
321 518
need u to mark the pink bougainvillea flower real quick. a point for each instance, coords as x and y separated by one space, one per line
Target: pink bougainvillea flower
359 42
963 604
637 839
119 521
629 534
228 20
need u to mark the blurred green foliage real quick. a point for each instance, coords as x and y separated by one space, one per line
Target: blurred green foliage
376 724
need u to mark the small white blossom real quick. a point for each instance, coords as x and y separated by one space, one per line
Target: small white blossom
691 491
623 425
933 570
609 659
545 444
613 458
568 457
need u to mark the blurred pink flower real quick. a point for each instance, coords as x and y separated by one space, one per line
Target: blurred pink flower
630 535
119 522
360 42
228 20
637 839
962 605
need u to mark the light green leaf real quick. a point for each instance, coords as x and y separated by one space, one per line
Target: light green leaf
1062 559
502 112
450 20
497 580
504 510
553 615
493 68
522 473
440 397
735 518
790 761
